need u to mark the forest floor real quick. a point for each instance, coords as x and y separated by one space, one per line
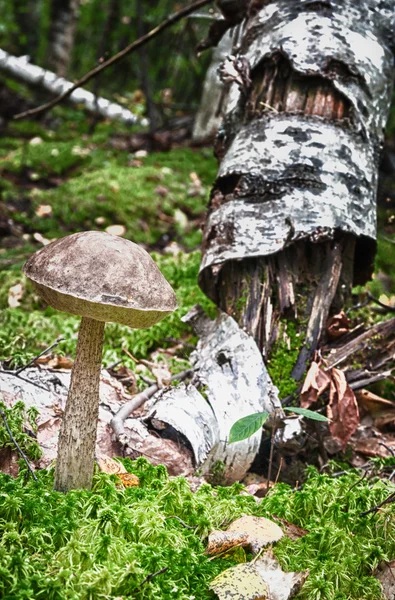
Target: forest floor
149 541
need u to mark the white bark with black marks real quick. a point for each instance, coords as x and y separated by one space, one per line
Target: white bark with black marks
293 171
22 70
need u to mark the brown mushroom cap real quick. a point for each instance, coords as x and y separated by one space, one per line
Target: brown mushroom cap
101 276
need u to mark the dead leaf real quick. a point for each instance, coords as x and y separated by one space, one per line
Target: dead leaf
241 582
382 410
221 541
129 480
386 576
118 230
44 210
282 586
342 408
260 531
110 466
41 239
316 382
373 446
15 295
338 325
55 361
293 532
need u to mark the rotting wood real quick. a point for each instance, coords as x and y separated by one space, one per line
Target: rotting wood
291 223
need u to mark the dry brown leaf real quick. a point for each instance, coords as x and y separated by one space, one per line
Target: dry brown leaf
221 541
338 325
241 582
373 446
260 531
316 382
110 466
15 295
55 361
382 410
293 532
342 408
386 576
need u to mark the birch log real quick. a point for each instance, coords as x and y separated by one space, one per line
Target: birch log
292 221
20 69
230 372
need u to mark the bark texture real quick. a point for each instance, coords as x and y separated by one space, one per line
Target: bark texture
77 437
64 15
292 220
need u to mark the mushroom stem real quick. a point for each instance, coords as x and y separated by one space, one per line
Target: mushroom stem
77 437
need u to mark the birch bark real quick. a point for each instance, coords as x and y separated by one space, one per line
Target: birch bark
292 217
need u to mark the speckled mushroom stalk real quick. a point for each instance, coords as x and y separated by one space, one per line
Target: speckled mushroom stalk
101 278
77 437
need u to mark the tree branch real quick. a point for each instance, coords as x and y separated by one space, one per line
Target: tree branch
170 20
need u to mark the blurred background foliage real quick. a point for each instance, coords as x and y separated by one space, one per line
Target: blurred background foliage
168 65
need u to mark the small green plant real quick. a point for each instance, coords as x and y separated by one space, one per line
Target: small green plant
247 426
16 418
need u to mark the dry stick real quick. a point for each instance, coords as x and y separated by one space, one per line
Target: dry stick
170 20
149 577
56 342
139 399
374 509
17 446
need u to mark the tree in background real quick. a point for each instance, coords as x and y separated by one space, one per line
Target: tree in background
64 16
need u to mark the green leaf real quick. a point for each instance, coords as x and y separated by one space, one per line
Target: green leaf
309 414
246 427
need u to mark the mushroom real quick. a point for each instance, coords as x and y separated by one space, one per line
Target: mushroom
102 278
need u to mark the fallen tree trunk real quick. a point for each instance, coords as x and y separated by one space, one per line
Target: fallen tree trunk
20 69
291 224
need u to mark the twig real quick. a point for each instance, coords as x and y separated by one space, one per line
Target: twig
56 342
374 509
390 450
149 577
17 446
182 522
379 303
170 20
280 466
139 399
269 473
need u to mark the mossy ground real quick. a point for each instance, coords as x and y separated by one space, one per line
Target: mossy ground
82 178
104 543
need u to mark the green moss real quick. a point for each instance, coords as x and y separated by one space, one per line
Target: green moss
342 548
283 358
143 199
106 542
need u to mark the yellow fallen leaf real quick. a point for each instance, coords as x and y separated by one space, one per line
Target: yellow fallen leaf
260 531
241 582
129 480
